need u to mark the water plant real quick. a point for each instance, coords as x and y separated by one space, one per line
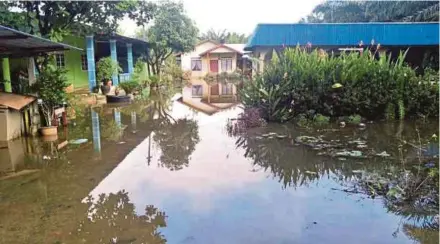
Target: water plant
320 119
367 84
354 119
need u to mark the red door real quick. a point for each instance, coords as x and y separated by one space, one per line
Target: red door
213 66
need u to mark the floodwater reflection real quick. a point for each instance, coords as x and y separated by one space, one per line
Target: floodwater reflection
157 171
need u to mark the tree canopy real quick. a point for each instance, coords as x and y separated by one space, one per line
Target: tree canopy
374 11
223 36
55 19
172 32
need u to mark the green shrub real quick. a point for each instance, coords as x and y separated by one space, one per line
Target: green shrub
297 81
354 119
106 68
320 119
50 87
302 120
129 86
140 73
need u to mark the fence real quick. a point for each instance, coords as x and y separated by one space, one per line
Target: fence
124 77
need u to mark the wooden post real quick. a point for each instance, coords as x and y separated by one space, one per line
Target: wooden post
64 117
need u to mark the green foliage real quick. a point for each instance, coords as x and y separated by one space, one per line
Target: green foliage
374 11
140 73
222 36
50 87
302 120
354 119
320 119
298 81
153 80
129 86
106 68
172 32
172 72
55 19
390 111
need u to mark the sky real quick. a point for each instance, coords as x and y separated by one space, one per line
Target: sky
239 15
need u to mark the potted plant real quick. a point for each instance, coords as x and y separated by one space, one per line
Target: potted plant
50 88
106 68
106 86
129 86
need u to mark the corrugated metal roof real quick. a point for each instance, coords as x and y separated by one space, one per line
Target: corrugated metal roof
15 101
17 43
239 47
345 34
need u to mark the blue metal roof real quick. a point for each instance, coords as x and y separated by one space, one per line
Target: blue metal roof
345 34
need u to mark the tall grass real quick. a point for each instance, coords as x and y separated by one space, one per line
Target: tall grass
297 82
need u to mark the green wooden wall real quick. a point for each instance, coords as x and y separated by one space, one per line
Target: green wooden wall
75 74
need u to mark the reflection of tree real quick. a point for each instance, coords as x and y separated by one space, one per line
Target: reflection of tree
177 142
421 234
111 130
292 165
112 219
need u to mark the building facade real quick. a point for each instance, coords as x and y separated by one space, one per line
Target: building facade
420 39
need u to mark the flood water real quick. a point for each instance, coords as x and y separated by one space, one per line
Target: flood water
166 172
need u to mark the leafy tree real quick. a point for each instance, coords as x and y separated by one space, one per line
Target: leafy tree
55 19
374 11
50 86
222 36
172 32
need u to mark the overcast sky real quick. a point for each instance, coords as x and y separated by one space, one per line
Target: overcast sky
239 15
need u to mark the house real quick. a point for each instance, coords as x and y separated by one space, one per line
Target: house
421 39
19 113
81 65
80 62
210 58
15 115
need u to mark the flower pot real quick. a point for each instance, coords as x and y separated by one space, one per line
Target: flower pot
49 131
50 138
105 89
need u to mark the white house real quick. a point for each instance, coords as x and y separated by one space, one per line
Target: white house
210 57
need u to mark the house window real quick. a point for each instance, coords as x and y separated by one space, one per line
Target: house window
227 89
226 64
197 91
83 62
59 58
196 64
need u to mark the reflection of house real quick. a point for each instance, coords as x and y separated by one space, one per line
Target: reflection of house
202 105
422 39
211 58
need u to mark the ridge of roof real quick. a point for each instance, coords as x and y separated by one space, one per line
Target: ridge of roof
220 46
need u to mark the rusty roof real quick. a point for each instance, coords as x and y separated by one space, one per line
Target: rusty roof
15 101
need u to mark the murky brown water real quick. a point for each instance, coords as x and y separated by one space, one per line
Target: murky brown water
177 176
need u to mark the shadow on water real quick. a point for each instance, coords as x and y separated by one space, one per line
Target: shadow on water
156 171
